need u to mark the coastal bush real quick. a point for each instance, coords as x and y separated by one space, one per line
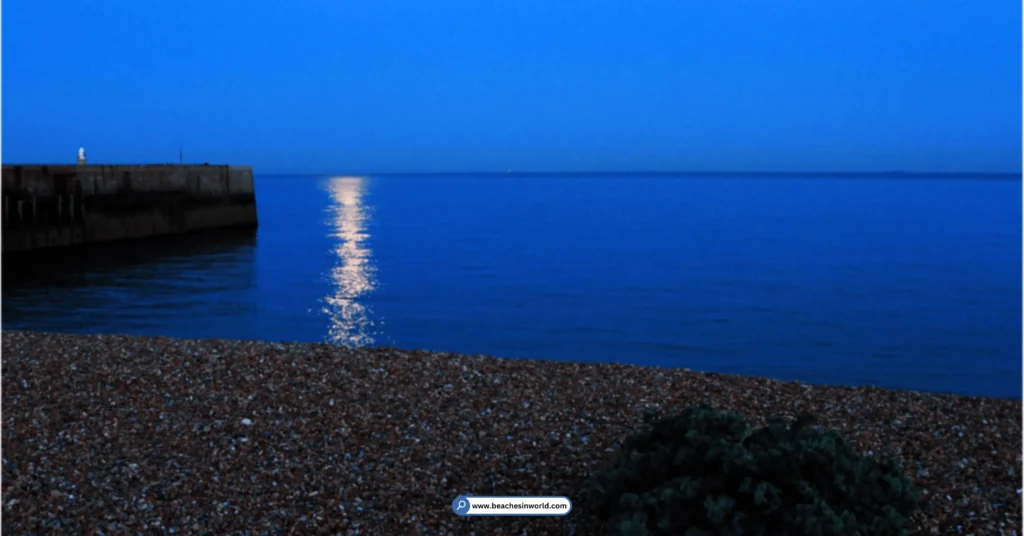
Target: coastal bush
706 472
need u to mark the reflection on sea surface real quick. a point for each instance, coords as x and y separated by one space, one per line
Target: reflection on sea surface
135 286
354 275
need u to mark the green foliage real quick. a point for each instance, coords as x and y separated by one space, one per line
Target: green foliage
706 473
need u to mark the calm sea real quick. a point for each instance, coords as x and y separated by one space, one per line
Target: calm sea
902 282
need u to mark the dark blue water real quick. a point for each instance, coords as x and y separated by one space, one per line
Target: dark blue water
903 282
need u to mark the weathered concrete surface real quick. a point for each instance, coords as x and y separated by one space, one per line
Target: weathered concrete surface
52 206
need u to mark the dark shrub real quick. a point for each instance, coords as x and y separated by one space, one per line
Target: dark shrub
706 472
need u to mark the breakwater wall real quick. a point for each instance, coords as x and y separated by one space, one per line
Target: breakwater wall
64 205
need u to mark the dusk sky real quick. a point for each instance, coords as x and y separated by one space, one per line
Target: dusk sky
363 86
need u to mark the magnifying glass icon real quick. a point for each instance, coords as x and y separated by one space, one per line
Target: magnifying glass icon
460 505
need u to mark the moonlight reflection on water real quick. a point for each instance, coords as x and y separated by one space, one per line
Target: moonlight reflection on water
354 275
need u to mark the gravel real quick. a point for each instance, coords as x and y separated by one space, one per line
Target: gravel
125 435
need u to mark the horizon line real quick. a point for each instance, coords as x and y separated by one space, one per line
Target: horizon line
887 173
665 173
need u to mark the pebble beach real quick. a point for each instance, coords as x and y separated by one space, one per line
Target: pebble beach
111 434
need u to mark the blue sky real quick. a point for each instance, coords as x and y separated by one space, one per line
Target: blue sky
356 86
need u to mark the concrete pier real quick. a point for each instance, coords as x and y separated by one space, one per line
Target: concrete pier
63 205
